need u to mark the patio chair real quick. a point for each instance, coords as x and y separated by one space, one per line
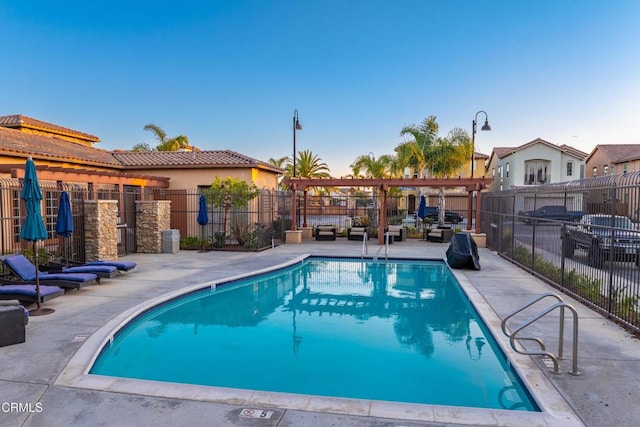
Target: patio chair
25 272
397 232
325 232
26 294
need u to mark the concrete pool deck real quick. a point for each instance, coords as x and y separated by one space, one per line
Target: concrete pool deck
40 373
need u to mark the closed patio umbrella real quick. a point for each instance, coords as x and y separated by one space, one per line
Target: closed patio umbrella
203 216
64 223
33 228
422 209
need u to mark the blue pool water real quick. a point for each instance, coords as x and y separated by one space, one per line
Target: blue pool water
396 330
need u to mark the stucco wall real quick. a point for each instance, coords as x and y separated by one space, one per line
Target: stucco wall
191 178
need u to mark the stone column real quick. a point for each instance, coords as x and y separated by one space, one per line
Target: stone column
152 218
101 235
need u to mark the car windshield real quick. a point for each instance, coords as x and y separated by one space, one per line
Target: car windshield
621 222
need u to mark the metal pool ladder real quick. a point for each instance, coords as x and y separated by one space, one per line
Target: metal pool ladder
513 335
365 248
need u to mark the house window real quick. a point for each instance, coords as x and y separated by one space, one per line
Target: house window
569 168
613 169
500 171
605 170
624 168
536 172
493 172
507 170
595 171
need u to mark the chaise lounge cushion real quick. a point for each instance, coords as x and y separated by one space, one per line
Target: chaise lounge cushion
120 265
103 271
26 271
27 293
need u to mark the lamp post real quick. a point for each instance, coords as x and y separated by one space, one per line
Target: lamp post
473 136
473 160
296 126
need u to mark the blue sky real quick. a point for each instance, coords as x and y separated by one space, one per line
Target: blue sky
229 74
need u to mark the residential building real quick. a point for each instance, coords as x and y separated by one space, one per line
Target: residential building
611 159
534 163
66 155
67 159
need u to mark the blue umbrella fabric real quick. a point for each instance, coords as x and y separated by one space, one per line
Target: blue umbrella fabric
422 209
33 228
64 223
203 216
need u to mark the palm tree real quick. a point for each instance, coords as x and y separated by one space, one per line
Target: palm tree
281 163
309 165
382 167
441 156
165 143
415 152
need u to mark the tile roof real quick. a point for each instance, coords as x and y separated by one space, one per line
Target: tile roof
23 144
619 153
18 121
193 159
505 151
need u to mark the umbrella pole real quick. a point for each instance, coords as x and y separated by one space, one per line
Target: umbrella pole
35 257
39 311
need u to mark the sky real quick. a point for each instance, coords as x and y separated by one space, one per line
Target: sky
230 74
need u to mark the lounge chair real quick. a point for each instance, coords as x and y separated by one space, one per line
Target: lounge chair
120 265
26 294
102 271
25 272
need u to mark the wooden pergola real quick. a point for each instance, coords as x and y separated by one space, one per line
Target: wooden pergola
470 184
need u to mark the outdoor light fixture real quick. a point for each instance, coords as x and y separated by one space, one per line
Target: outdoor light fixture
296 126
473 136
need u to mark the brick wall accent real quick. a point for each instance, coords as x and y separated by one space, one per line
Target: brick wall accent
152 218
101 236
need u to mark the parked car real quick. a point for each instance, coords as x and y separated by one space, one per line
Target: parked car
595 235
552 212
449 216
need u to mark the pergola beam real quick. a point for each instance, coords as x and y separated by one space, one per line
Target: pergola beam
470 184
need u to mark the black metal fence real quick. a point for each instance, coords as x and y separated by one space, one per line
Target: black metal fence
13 212
259 225
596 259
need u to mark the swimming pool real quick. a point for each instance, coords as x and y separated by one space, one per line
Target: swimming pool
395 331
